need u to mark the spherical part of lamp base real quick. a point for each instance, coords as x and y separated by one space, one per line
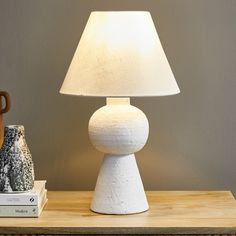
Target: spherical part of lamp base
118 129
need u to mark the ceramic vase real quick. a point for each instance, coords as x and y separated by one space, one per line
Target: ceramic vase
16 164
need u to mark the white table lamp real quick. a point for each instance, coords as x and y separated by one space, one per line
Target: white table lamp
119 56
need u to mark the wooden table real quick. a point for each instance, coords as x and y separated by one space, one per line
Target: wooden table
172 212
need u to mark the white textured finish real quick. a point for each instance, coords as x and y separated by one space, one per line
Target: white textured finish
120 54
119 129
119 188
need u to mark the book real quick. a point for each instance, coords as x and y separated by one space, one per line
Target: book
24 210
31 198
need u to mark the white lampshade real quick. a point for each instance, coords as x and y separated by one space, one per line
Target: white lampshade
120 55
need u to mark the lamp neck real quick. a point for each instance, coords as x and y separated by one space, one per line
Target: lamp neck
117 101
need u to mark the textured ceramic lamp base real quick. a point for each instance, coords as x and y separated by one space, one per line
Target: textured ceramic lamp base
119 188
119 130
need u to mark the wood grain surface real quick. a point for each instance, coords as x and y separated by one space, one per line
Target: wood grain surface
171 212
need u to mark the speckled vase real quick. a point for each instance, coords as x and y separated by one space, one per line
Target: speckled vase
16 164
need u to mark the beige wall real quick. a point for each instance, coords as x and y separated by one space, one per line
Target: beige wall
192 143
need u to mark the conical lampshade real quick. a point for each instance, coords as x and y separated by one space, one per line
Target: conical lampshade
119 54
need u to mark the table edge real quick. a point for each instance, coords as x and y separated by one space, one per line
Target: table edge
118 230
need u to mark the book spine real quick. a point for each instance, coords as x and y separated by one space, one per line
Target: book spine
24 211
19 199
19 211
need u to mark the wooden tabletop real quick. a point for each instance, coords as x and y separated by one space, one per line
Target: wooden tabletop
171 212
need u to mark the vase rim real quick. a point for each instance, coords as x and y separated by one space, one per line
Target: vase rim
14 126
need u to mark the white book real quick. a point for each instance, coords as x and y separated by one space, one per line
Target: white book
24 211
30 198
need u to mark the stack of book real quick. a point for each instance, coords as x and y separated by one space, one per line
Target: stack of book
28 204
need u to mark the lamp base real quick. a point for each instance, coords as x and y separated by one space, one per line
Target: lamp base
119 130
119 188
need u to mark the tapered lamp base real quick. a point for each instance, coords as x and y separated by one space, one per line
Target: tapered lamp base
119 188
